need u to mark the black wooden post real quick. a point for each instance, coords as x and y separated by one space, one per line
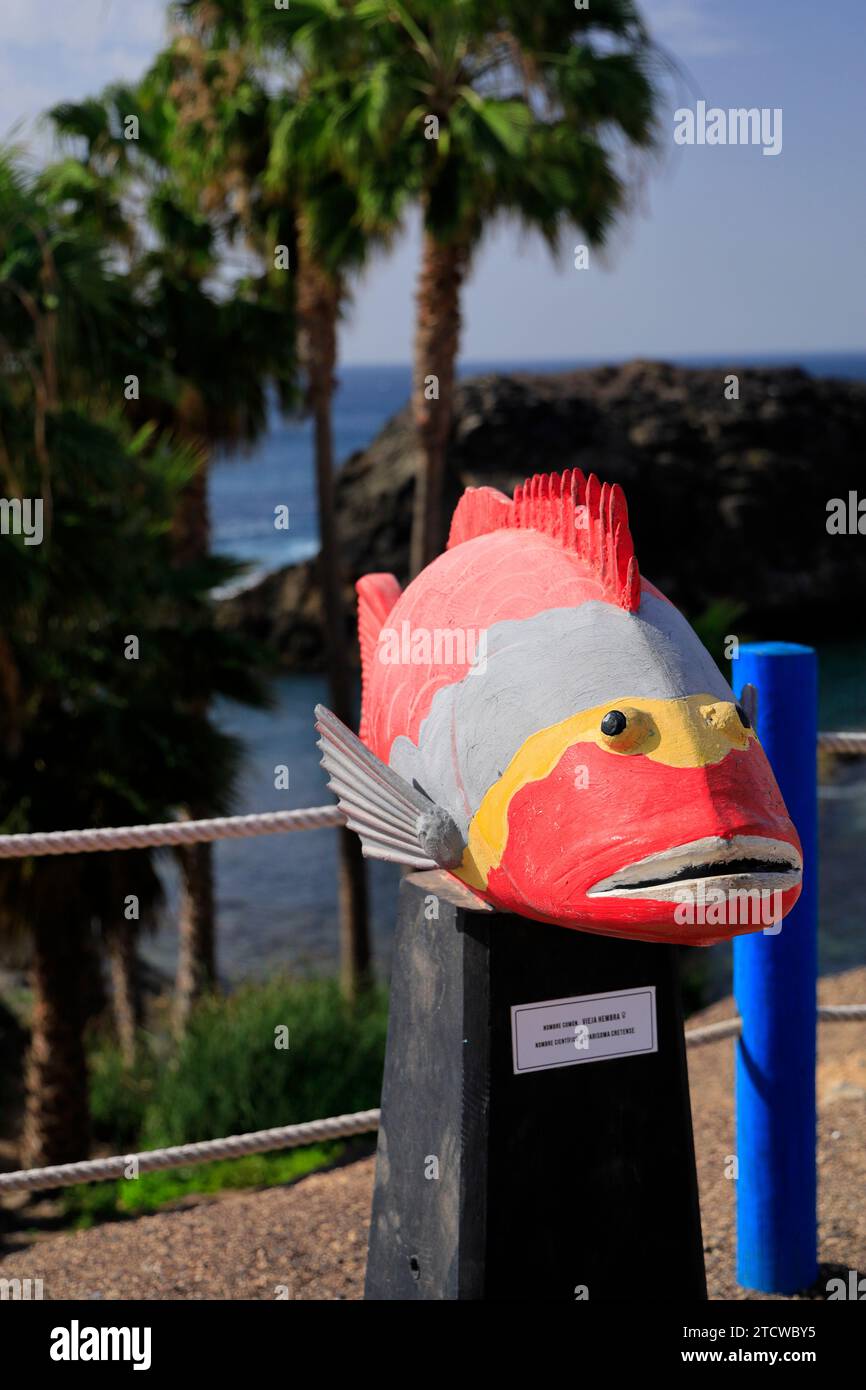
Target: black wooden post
551 1182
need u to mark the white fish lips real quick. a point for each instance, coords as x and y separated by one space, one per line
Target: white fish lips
626 882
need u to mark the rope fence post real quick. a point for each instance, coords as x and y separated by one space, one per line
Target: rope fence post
775 986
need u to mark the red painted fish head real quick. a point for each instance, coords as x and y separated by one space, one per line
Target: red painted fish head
659 819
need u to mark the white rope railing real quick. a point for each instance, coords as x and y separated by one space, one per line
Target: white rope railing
843 743
714 1032
192 832
182 832
294 1136
839 1013
208 1151
733 1027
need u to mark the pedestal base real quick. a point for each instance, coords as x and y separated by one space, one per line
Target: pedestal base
566 1182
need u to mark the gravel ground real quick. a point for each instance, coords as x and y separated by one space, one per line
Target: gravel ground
308 1241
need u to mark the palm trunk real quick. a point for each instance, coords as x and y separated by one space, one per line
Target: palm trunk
437 341
10 699
125 993
196 964
57 1120
196 957
190 533
318 308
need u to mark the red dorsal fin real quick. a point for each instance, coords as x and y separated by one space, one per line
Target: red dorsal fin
479 511
377 594
580 514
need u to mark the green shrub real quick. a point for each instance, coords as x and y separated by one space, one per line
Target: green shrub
228 1076
119 1096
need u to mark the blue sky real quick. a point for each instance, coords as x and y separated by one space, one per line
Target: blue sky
729 251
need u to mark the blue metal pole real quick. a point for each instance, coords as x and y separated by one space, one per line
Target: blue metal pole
775 977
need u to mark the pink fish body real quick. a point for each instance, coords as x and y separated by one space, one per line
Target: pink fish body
572 751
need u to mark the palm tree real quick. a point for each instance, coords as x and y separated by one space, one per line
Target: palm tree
332 245
89 737
204 364
528 110
224 353
331 236
104 740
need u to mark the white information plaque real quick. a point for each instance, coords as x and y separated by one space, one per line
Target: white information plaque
587 1028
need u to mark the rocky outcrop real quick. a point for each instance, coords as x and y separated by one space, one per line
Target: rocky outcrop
727 498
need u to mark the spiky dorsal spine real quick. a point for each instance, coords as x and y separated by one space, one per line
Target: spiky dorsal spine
377 594
581 514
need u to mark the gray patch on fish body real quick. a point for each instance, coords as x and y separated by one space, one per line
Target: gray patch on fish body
540 671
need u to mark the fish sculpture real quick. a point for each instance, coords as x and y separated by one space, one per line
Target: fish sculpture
542 723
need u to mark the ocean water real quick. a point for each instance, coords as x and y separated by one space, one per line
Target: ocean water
276 895
245 490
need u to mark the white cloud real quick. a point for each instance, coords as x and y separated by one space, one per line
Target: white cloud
690 28
83 24
51 52
22 98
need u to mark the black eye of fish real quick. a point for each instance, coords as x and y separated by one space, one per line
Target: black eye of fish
744 718
613 723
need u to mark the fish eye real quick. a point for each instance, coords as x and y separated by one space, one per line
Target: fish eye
744 718
614 723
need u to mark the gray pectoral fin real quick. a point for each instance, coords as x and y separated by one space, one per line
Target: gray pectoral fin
749 701
394 821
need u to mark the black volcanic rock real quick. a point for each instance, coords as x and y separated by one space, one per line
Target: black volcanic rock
727 499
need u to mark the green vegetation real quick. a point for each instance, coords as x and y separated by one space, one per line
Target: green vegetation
226 1076
199 358
158 289
715 625
473 111
109 651
105 1201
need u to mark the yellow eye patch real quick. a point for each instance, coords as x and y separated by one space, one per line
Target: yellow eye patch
694 731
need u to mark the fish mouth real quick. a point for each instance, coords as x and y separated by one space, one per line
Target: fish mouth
742 862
